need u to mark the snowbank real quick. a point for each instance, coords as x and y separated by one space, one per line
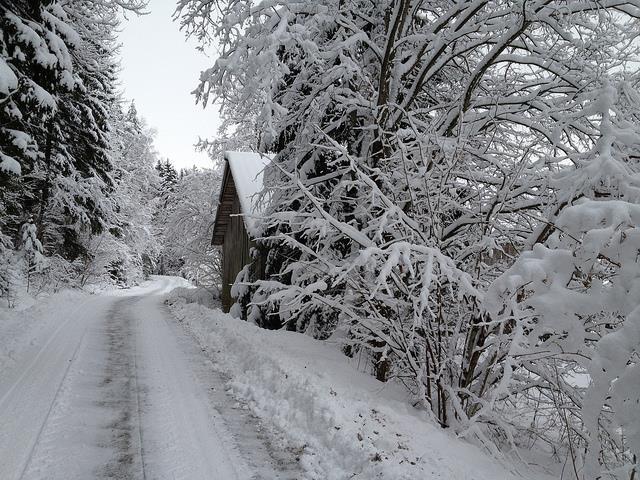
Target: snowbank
340 423
198 295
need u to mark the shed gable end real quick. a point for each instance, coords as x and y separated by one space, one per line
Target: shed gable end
228 195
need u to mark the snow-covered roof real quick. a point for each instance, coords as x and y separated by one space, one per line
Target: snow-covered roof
246 170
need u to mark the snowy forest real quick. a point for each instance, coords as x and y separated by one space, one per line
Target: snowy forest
453 195
84 196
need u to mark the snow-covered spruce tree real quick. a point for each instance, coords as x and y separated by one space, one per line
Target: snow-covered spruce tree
82 184
169 262
31 67
415 141
168 178
57 60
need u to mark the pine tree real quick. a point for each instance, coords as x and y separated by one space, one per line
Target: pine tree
36 65
169 261
80 142
169 176
58 73
132 117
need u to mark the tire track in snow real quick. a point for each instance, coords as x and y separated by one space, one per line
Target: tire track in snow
51 406
97 422
29 400
139 410
122 396
27 371
184 439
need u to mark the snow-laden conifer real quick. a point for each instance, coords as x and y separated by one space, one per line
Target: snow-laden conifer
58 83
31 251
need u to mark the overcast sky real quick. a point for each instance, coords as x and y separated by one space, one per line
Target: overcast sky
159 70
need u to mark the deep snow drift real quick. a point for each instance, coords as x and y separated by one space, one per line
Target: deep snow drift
341 423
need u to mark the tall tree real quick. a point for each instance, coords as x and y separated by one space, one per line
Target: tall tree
416 142
57 81
187 227
131 246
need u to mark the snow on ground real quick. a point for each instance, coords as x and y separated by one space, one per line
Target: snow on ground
108 386
114 381
26 327
341 423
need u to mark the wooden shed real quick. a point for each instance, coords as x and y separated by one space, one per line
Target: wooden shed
235 223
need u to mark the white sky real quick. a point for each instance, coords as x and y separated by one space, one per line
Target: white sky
159 70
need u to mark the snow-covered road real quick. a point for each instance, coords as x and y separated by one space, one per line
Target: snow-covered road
117 390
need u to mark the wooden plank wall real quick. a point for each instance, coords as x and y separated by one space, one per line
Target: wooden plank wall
235 252
227 195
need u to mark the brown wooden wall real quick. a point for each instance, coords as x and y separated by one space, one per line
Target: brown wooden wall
235 252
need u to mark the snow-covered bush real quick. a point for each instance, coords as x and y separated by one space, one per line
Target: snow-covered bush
110 260
31 251
9 271
202 296
572 301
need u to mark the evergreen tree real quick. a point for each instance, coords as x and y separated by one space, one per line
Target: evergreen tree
132 117
57 77
168 175
36 67
169 261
